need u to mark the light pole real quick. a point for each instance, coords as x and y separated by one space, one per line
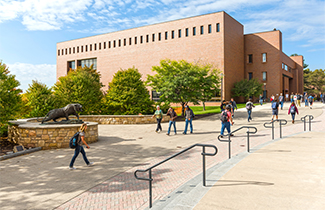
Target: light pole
221 86
264 93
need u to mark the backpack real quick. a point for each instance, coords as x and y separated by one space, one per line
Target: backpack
224 117
310 99
274 105
299 97
74 141
249 106
292 109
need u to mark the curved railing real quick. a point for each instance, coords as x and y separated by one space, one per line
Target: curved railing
272 126
310 117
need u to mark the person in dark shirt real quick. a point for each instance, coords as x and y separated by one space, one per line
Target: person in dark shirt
234 106
275 109
223 105
172 114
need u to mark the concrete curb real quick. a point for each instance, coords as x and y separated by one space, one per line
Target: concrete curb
4 157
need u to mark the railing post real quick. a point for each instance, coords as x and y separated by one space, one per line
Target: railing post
229 146
247 139
305 123
203 164
272 129
150 189
280 130
309 122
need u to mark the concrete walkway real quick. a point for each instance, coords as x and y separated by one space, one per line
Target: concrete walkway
42 181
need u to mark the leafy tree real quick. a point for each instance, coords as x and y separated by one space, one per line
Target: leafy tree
247 88
40 99
182 82
127 94
82 86
314 81
10 100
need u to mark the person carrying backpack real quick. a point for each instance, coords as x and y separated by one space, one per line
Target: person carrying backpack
79 148
233 106
293 110
172 114
223 105
275 109
249 107
311 100
281 100
226 119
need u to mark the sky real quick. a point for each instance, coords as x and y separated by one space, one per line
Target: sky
30 29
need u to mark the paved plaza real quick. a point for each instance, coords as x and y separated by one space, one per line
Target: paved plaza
283 173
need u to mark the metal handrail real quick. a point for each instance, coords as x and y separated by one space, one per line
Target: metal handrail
229 135
272 122
171 157
310 117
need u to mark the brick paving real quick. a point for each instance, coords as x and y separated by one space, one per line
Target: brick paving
125 192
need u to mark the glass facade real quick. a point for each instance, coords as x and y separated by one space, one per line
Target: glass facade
88 62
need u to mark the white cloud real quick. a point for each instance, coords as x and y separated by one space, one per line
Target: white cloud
25 73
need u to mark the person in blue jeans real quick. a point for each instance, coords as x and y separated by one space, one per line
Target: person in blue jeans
249 107
281 100
172 114
293 110
226 125
79 148
261 99
188 119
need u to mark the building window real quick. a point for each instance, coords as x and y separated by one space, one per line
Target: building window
290 69
62 52
173 34
153 37
186 32
86 48
250 58
88 63
58 52
104 45
250 75
218 27
90 47
179 33
70 50
264 76
82 48
286 67
74 50
202 30
155 95
282 65
194 31
264 57
71 65
119 43
166 35
114 43
100 46
147 38
141 39
124 42
130 41
109 44
66 51
135 40
78 49
209 29
159 36
95 46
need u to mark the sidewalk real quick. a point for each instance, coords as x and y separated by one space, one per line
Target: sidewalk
42 181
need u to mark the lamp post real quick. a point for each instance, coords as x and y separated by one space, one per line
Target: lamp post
221 86
264 93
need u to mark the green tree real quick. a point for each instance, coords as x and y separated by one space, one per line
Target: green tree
40 99
10 100
127 94
247 88
82 86
182 82
314 81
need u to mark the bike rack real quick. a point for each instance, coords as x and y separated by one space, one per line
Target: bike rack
310 117
171 157
272 122
229 135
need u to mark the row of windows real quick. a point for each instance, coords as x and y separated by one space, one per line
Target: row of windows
173 34
250 58
83 63
285 67
250 75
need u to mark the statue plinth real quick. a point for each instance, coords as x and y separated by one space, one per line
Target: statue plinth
63 122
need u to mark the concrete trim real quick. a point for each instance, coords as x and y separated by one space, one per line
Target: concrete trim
4 157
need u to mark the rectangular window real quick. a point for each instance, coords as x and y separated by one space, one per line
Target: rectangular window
58 52
66 51
264 76
179 33
218 27
147 38
95 46
250 58
124 42
86 48
70 50
100 46
135 40
166 35
62 52
109 44
78 49
88 63
159 36
74 50
153 37
194 31
250 75
141 39
130 41
119 43
282 65
186 32
264 57
173 34
155 95
82 48
286 67
104 45
202 30
90 47
114 43
209 29
71 65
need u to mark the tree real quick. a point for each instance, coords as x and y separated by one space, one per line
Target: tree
182 82
247 88
10 100
82 86
127 94
40 99
314 81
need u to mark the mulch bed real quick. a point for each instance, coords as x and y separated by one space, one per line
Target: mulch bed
6 146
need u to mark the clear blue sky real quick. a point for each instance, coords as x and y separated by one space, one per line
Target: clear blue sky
30 29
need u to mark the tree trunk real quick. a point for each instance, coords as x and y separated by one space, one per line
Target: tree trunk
183 109
203 105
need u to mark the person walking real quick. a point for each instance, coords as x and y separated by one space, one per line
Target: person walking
172 114
79 148
226 119
233 107
295 98
223 106
281 100
159 116
293 110
272 98
291 97
275 109
298 99
249 107
189 115
306 99
311 101
261 99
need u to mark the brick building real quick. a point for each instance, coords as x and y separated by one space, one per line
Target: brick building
215 38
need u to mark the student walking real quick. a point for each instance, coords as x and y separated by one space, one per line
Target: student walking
298 99
295 98
281 100
275 109
189 115
293 110
233 106
291 97
311 101
223 105
306 99
159 116
226 119
172 114
249 107
261 99
79 148
272 98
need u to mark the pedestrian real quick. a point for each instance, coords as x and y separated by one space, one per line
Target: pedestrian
298 99
172 114
275 109
301 98
261 99
295 98
281 100
323 98
306 99
293 110
79 148
291 97
226 119
287 96
234 106
249 107
272 98
311 101
223 105
159 117
189 115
